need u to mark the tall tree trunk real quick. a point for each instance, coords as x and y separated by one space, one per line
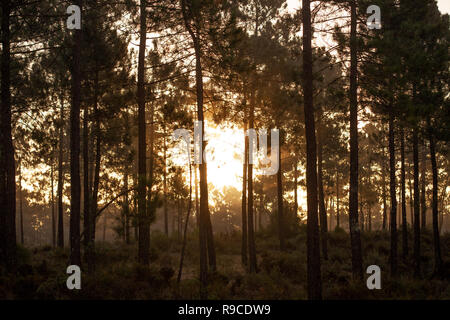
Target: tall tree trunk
313 247
251 235
143 221
75 190
322 208
94 197
205 229
355 236
411 198
86 187
61 175
244 256
383 177
337 200
166 217
52 200
183 247
436 239
403 187
22 240
416 204
295 190
423 205
393 253
197 199
126 207
7 165
281 225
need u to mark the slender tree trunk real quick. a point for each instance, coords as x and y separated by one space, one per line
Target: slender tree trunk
205 229
166 217
281 226
126 207
143 221
183 248
383 176
436 239
423 206
403 187
94 197
7 165
411 198
416 204
75 200
197 199
251 236
337 200
322 208
61 176
295 190
52 200
393 253
355 237
86 187
313 247
244 256
22 242
105 223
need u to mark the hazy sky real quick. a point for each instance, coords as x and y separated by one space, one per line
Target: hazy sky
444 6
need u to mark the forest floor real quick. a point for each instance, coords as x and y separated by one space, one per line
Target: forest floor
281 275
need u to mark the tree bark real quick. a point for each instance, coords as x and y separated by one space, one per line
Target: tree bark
436 239
355 236
423 205
61 176
86 188
393 252
244 256
383 176
322 208
7 164
281 225
205 228
143 221
313 248
251 235
95 187
337 200
403 187
75 200
416 204
166 217
183 248
295 190
52 200
22 240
